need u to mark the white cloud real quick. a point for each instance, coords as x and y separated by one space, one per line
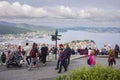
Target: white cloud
83 14
61 12
17 10
20 11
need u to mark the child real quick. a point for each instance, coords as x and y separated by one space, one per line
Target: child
111 57
92 58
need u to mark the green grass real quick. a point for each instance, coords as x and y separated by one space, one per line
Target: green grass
94 73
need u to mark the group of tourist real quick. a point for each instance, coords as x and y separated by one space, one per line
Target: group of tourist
28 53
112 54
34 54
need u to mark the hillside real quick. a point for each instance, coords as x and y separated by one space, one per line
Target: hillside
35 27
12 30
6 28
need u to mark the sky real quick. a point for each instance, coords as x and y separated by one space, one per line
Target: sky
62 13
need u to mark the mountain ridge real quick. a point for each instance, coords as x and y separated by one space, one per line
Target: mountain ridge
8 28
12 30
31 27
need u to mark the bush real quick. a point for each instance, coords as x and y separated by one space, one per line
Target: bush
94 73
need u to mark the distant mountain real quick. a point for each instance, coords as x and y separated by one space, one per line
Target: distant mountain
12 30
7 24
35 27
6 28
94 29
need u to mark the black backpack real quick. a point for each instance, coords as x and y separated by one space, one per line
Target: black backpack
88 61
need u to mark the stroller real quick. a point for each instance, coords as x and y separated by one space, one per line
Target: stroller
15 60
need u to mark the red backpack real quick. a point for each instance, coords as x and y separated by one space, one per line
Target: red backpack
32 53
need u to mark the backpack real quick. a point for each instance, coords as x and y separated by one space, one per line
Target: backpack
88 61
3 56
32 53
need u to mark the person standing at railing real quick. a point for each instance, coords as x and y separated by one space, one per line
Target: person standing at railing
116 50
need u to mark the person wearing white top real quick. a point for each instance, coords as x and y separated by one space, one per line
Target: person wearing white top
89 51
27 50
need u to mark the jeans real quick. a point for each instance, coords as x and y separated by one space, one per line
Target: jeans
28 59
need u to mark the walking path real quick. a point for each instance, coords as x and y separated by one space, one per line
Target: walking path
47 72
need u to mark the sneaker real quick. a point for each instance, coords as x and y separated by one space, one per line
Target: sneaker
65 70
56 68
59 72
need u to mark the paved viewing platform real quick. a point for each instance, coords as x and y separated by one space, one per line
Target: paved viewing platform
48 72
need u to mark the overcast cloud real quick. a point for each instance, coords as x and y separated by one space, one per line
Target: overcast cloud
92 15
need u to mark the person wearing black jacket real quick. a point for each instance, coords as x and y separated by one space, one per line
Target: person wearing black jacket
44 52
68 52
116 50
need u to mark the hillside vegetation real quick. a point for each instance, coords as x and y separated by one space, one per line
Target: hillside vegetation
12 30
16 28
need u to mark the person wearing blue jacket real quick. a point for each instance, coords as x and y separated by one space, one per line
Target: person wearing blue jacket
68 52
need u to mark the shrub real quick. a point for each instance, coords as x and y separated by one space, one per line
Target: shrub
93 73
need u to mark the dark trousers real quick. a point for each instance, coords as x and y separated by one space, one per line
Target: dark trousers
58 63
68 60
111 61
116 54
64 64
40 58
28 59
44 59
